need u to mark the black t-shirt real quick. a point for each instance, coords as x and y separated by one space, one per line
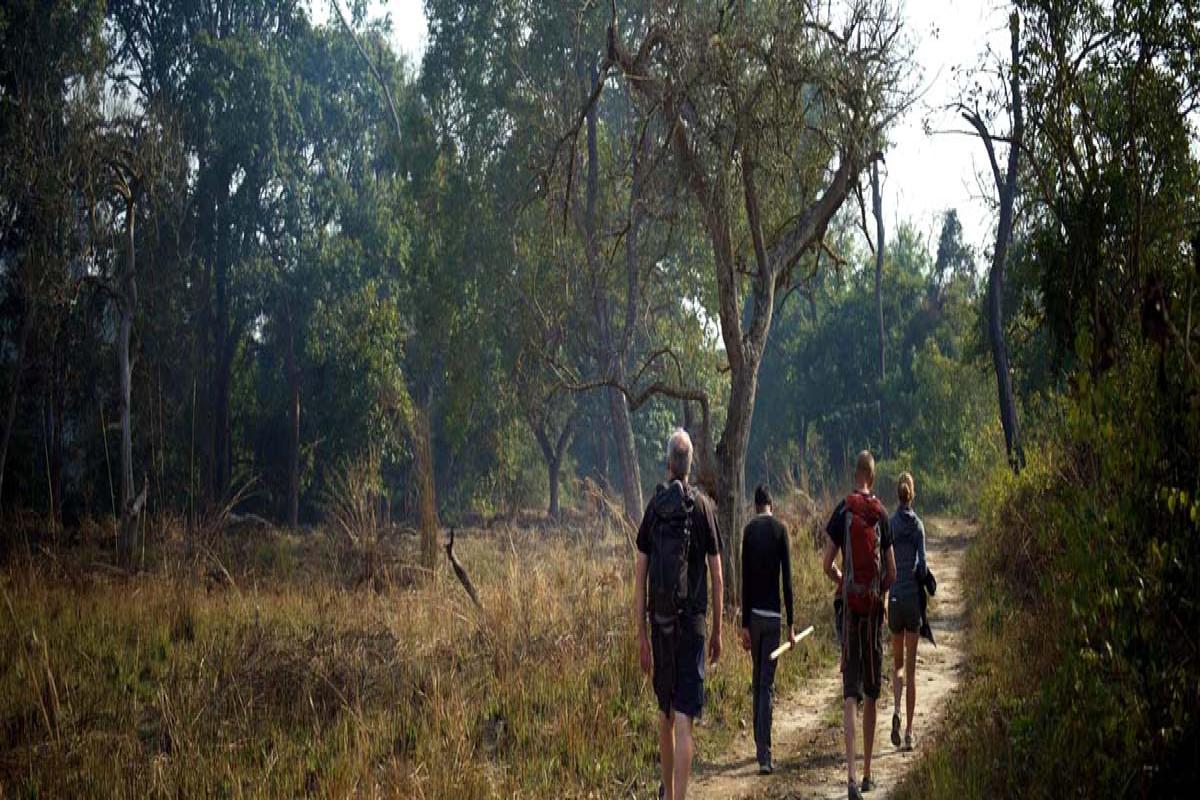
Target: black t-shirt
836 531
765 559
706 541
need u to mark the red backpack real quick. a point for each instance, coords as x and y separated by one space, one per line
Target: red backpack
861 557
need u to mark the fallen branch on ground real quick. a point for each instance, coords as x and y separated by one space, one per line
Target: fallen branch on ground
463 578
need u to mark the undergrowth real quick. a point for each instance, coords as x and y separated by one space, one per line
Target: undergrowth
1083 609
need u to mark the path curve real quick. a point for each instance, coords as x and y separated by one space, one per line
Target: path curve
808 731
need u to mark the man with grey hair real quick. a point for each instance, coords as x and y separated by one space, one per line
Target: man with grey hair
679 546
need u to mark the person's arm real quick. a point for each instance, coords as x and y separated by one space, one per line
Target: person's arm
827 566
785 561
745 580
712 549
745 633
886 538
639 610
922 565
718 599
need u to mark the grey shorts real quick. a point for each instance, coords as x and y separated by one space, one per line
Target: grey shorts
904 615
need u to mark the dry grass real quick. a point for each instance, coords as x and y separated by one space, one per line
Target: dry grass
264 666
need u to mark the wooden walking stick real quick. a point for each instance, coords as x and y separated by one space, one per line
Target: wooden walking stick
783 648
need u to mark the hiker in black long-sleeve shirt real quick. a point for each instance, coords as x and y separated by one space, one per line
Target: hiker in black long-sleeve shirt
765 559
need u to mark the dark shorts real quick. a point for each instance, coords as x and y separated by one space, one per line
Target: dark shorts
862 656
678 647
904 615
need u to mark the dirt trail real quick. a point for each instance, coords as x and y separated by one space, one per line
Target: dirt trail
807 737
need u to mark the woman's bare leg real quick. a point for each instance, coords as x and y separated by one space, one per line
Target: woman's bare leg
910 677
897 666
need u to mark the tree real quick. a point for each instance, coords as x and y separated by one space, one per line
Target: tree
738 91
46 48
221 70
877 213
1006 188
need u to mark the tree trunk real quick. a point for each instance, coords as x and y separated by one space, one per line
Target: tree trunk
426 489
293 372
731 471
1007 188
877 210
804 455
553 465
10 414
127 303
631 472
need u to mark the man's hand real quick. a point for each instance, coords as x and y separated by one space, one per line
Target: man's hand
792 634
644 657
714 647
746 639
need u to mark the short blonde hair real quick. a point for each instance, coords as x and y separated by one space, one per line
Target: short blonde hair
906 490
864 468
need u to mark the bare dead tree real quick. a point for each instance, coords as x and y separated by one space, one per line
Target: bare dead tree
1006 187
877 212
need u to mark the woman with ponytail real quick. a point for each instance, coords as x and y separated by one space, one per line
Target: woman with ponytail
904 611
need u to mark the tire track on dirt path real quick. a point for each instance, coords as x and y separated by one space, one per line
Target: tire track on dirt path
808 731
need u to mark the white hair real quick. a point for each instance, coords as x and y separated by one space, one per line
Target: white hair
679 454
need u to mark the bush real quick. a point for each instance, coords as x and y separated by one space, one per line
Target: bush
1082 588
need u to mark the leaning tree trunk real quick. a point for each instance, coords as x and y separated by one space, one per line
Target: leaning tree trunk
877 210
1007 187
10 414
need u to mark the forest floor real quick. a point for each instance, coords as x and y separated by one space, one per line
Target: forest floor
808 741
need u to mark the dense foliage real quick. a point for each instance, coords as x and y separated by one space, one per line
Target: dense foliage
1082 596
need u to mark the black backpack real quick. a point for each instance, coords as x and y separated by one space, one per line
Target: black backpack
670 541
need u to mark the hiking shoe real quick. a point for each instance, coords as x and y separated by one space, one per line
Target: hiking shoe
766 768
908 741
868 783
896 729
852 792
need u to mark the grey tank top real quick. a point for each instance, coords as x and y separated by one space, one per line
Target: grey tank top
908 543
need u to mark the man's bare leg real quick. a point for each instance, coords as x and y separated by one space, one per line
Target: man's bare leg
666 753
683 755
849 709
868 735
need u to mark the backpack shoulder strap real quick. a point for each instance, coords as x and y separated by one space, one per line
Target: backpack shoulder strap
847 550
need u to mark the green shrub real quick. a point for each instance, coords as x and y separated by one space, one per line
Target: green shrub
1085 625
